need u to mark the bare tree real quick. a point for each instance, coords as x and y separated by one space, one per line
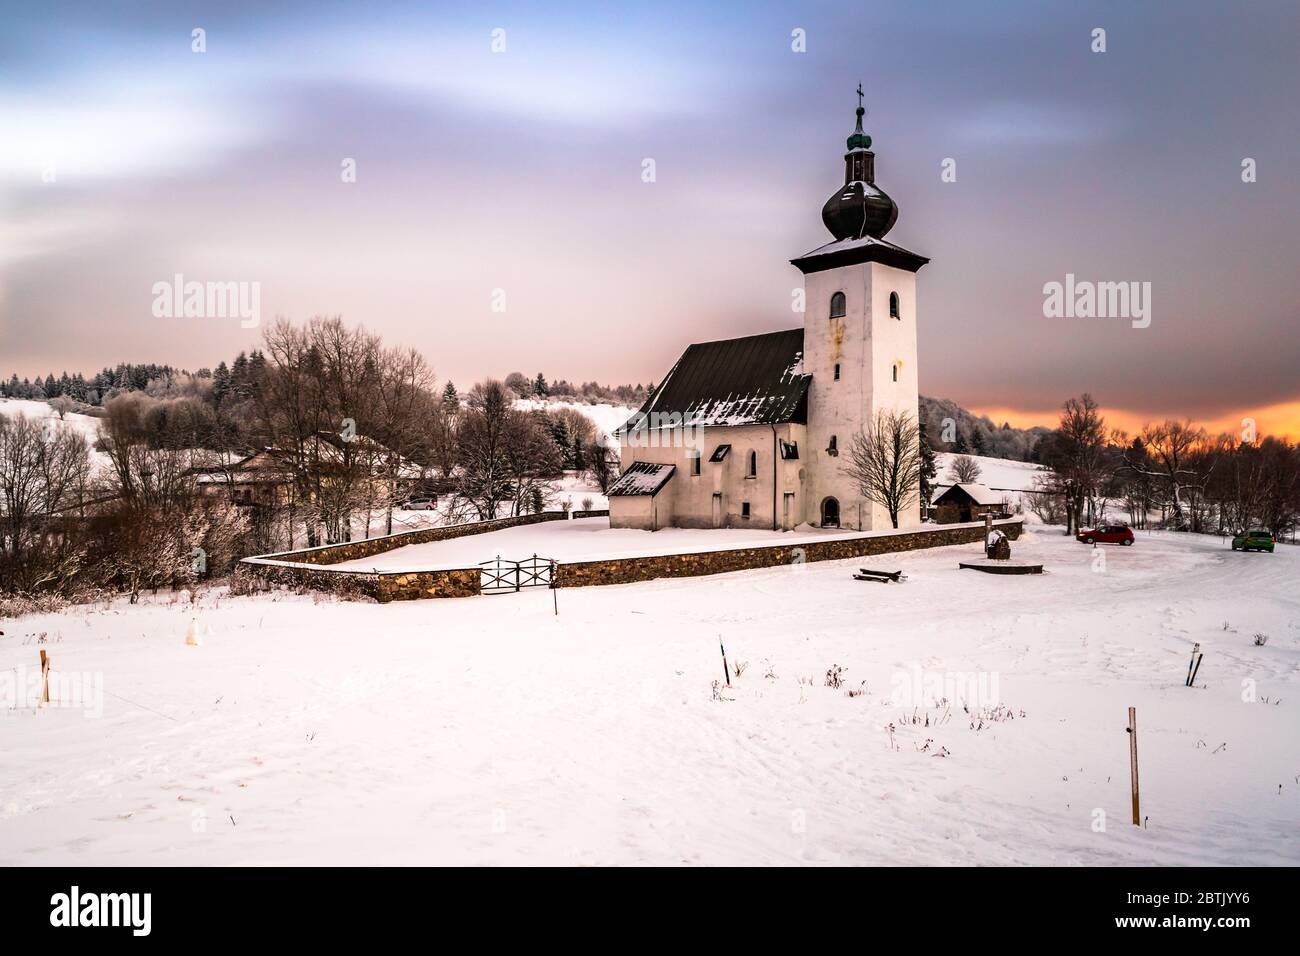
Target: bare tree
599 466
316 394
1075 453
153 447
406 412
484 475
1171 449
964 469
43 471
1047 500
885 461
62 404
533 460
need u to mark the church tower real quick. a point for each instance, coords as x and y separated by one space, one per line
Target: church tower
859 339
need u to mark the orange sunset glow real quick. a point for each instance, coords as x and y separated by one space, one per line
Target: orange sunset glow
1279 421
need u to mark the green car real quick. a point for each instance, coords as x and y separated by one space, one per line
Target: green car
1253 541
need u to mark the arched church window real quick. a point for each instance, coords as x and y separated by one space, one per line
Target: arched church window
833 448
895 371
838 306
893 305
753 465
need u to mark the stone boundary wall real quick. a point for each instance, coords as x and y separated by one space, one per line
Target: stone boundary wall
591 514
292 568
626 570
355 550
295 568
382 586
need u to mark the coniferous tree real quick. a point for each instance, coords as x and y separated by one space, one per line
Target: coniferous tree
929 470
220 382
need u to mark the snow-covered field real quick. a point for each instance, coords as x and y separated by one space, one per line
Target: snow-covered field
605 416
489 730
86 425
997 473
574 540
580 494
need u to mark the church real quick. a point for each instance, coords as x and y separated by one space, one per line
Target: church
753 432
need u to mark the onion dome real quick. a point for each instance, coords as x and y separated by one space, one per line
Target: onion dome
860 208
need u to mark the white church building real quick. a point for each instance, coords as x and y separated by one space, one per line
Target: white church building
753 432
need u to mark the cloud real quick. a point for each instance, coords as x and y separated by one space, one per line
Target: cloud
1019 123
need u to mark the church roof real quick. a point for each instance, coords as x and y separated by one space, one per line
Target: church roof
755 380
850 252
641 478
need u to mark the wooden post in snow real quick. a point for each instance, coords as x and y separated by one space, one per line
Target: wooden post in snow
1133 761
45 677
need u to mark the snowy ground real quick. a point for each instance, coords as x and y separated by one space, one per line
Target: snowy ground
580 493
489 730
606 417
997 473
575 489
574 540
87 425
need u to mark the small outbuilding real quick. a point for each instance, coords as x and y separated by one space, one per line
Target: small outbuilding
967 501
632 496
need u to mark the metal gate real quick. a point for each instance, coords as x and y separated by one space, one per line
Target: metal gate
501 574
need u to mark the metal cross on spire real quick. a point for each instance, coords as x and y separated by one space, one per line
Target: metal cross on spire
859 95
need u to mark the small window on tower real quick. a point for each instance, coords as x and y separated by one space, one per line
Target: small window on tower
895 371
744 509
694 455
833 448
837 306
837 371
893 305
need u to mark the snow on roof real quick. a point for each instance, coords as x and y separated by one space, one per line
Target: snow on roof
844 245
977 492
641 478
755 380
844 252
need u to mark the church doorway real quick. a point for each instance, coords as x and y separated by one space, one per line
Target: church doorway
830 513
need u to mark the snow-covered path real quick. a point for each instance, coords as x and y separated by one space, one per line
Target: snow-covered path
488 730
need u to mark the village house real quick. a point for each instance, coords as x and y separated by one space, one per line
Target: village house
967 501
370 471
753 432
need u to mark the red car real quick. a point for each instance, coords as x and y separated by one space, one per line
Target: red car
1106 534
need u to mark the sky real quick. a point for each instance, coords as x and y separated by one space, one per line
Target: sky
500 219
